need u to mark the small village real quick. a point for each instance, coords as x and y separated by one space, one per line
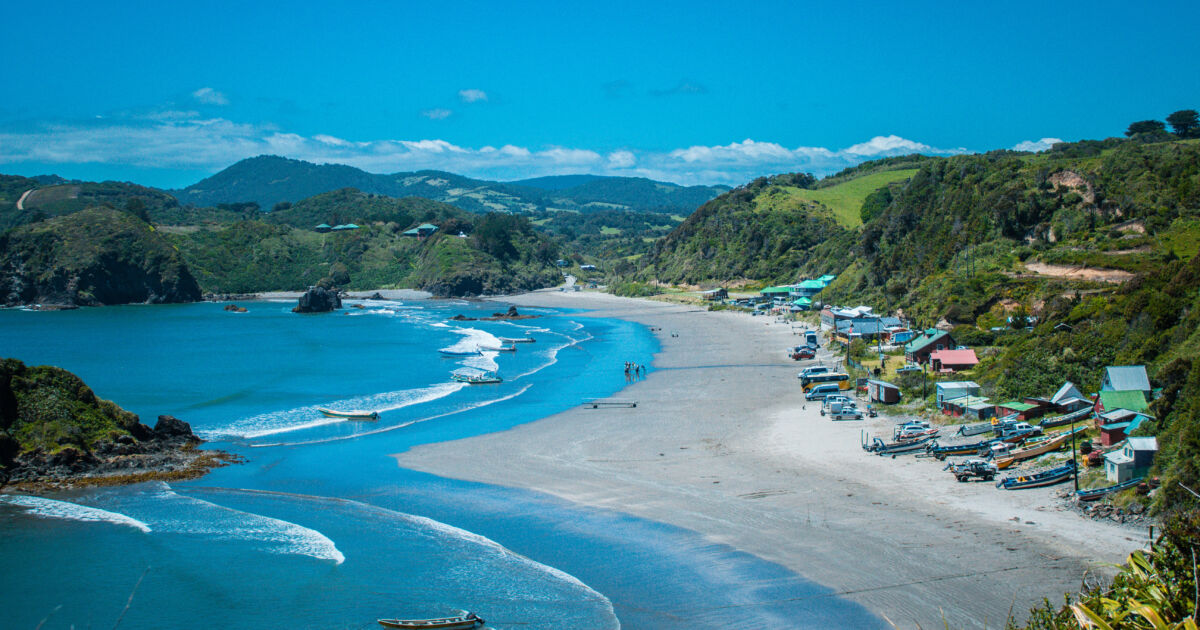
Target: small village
873 364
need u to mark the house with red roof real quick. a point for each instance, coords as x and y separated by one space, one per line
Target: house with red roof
953 360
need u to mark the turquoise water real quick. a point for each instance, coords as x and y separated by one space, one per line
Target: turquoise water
320 528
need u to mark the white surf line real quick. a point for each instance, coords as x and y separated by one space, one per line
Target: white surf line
445 529
253 427
51 508
340 438
290 537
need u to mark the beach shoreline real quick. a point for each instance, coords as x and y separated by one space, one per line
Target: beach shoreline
722 443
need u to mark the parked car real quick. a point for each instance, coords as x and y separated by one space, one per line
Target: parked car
814 370
799 353
819 392
836 403
845 411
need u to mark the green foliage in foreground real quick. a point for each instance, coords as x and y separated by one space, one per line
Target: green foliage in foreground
1155 590
45 409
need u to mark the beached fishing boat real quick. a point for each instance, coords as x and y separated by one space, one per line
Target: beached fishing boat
1058 421
969 448
508 348
879 447
348 415
1093 494
517 340
459 353
458 622
977 428
1047 477
476 377
1052 443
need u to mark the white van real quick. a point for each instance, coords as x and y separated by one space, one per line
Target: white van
819 392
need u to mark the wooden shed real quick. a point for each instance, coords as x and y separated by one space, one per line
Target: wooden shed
882 392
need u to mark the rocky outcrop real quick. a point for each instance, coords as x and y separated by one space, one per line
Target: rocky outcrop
92 258
54 431
234 308
318 300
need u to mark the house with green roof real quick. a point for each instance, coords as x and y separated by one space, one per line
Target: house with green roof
422 232
324 227
826 279
808 288
925 344
1022 410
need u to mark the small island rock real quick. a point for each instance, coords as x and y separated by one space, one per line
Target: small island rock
318 300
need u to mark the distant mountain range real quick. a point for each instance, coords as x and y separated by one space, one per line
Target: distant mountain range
268 180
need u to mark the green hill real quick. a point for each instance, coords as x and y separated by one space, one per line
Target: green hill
92 257
844 200
281 251
268 180
38 200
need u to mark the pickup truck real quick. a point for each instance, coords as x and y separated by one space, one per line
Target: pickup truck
845 412
799 353
973 468
1017 431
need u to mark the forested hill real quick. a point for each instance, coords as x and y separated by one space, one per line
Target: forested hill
268 180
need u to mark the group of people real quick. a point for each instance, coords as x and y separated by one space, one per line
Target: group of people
633 370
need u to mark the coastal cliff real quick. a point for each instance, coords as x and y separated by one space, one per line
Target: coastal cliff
94 257
54 430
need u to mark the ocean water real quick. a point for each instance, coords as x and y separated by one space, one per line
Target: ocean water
320 528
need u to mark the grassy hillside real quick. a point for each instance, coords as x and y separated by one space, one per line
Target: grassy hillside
39 200
843 200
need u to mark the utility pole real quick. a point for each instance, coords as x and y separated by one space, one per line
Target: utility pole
1075 463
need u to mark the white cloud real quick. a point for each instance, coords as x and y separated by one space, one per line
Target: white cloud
209 96
621 159
472 95
1035 146
175 142
437 114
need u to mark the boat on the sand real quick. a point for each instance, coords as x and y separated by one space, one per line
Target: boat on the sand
355 414
1093 494
458 622
1048 477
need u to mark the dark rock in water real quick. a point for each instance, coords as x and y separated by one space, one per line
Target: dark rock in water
170 428
375 296
318 300
462 318
359 306
234 308
510 314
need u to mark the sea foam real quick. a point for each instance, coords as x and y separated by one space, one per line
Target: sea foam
198 517
308 417
50 508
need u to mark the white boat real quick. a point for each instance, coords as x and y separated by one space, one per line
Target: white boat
356 414
459 353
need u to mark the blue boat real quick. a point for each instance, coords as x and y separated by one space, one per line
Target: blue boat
1092 494
1047 477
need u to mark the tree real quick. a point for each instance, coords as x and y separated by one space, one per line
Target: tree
1145 126
1185 122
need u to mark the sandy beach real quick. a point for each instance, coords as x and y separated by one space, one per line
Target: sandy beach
722 443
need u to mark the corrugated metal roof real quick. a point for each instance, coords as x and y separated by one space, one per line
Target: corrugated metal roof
1143 443
1017 406
1132 400
955 357
811 284
1068 390
1126 377
925 339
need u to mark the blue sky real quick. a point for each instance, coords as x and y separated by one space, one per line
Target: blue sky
164 93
